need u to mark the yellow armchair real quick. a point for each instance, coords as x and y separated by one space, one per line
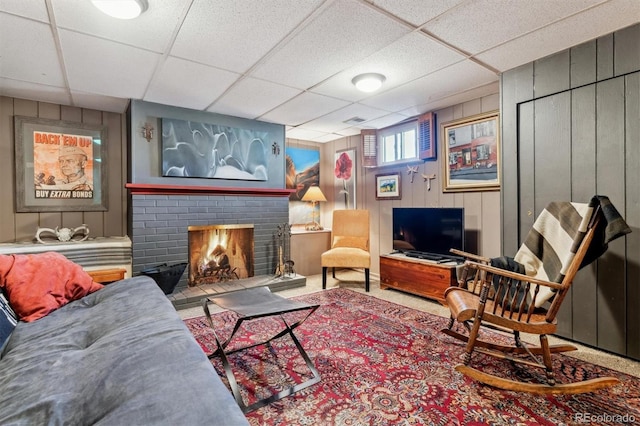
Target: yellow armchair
349 244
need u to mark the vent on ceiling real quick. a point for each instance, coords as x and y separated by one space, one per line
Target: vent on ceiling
355 120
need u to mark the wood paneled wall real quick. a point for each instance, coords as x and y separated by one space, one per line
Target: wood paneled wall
571 129
23 226
482 209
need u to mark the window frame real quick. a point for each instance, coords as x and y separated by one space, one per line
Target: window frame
395 130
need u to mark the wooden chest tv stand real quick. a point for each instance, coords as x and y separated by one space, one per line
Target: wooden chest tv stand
425 278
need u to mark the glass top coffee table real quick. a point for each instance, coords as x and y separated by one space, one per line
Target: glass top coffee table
253 304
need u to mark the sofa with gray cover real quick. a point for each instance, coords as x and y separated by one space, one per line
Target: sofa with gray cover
120 355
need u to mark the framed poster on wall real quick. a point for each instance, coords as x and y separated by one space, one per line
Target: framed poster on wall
471 153
60 165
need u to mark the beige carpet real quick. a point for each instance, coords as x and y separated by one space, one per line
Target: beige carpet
354 280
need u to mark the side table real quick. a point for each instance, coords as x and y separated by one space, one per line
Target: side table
306 248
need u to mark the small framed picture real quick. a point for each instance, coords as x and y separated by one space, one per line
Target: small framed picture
388 187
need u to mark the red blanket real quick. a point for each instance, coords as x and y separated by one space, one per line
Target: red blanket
38 284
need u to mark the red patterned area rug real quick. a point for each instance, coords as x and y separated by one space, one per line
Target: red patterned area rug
385 364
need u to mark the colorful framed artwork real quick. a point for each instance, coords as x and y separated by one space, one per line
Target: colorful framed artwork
471 149
388 187
60 165
345 182
302 170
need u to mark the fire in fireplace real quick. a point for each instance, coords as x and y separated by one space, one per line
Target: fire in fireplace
220 253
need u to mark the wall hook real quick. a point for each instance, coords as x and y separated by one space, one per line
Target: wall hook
412 171
428 178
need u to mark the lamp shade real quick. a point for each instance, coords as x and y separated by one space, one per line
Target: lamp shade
313 194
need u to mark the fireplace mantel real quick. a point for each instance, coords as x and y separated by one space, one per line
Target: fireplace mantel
155 189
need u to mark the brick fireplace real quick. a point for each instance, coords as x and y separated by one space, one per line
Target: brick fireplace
160 220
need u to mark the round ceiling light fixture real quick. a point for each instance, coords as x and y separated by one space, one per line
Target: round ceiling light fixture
121 9
369 82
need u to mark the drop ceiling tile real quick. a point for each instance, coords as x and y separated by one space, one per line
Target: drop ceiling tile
327 138
153 30
417 12
303 134
250 98
454 99
382 122
350 131
28 9
236 34
34 91
106 68
28 52
168 85
594 23
408 58
336 120
480 24
100 102
345 33
459 77
303 108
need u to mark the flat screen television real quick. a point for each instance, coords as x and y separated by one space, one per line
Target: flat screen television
427 232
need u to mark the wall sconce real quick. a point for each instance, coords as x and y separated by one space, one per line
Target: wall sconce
369 82
147 132
314 195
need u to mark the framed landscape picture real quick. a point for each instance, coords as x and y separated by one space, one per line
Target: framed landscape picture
388 187
302 172
471 153
60 165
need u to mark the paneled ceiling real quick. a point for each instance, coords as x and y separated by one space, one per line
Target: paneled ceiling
288 61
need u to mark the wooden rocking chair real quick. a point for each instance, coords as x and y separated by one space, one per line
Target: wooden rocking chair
561 242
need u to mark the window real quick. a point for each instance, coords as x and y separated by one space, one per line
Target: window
399 143
403 143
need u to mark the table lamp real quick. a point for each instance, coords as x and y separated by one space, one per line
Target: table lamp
314 195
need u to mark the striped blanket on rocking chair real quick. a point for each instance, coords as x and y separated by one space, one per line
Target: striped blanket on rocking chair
555 237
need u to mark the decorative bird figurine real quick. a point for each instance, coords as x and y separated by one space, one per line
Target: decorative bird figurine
427 178
412 171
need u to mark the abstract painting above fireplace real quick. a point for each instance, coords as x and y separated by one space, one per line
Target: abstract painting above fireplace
201 150
220 253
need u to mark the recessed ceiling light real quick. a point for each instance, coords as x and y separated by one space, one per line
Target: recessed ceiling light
369 82
121 9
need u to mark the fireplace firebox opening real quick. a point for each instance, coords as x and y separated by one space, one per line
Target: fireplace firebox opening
220 253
